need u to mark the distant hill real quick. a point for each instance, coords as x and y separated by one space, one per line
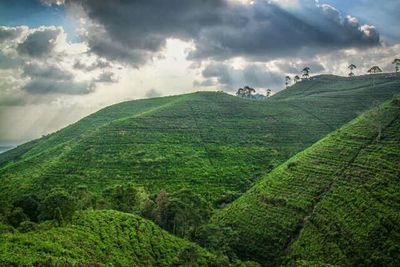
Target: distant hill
101 238
336 203
211 142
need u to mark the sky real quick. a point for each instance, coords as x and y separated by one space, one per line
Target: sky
61 60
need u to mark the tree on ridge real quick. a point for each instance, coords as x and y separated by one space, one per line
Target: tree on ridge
374 70
351 67
306 72
396 63
287 81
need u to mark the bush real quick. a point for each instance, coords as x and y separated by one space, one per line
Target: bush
184 212
16 217
126 198
5 209
217 238
58 205
27 226
30 206
291 165
84 198
5 228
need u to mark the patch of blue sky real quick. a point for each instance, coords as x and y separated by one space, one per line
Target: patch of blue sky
33 14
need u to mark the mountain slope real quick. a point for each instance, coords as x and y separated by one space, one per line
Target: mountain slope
101 238
211 142
337 202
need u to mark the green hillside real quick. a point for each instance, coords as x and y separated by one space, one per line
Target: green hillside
213 143
335 203
101 238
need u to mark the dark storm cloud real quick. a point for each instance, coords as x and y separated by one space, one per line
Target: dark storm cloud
51 79
131 31
46 72
231 78
40 42
275 32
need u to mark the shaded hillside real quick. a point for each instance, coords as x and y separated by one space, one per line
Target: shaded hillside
101 238
211 142
337 202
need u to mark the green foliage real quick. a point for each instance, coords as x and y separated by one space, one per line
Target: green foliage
324 206
217 238
5 208
84 198
6 228
226 198
126 198
58 205
16 217
183 212
335 203
102 238
210 142
29 205
27 226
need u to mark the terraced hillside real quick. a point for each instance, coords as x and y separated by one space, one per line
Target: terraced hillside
335 203
99 238
211 142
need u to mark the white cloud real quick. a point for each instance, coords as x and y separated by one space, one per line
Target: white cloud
52 2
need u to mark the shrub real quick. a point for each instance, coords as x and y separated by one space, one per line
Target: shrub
16 217
126 198
58 205
27 226
184 212
30 206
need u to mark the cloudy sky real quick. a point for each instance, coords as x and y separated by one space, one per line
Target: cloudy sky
63 59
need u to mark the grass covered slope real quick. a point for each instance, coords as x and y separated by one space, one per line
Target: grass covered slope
97 238
337 202
210 142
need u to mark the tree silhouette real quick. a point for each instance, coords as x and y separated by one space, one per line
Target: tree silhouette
269 92
240 92
351 67
296 78
374 70
396 63
248 91
306 72
287 81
